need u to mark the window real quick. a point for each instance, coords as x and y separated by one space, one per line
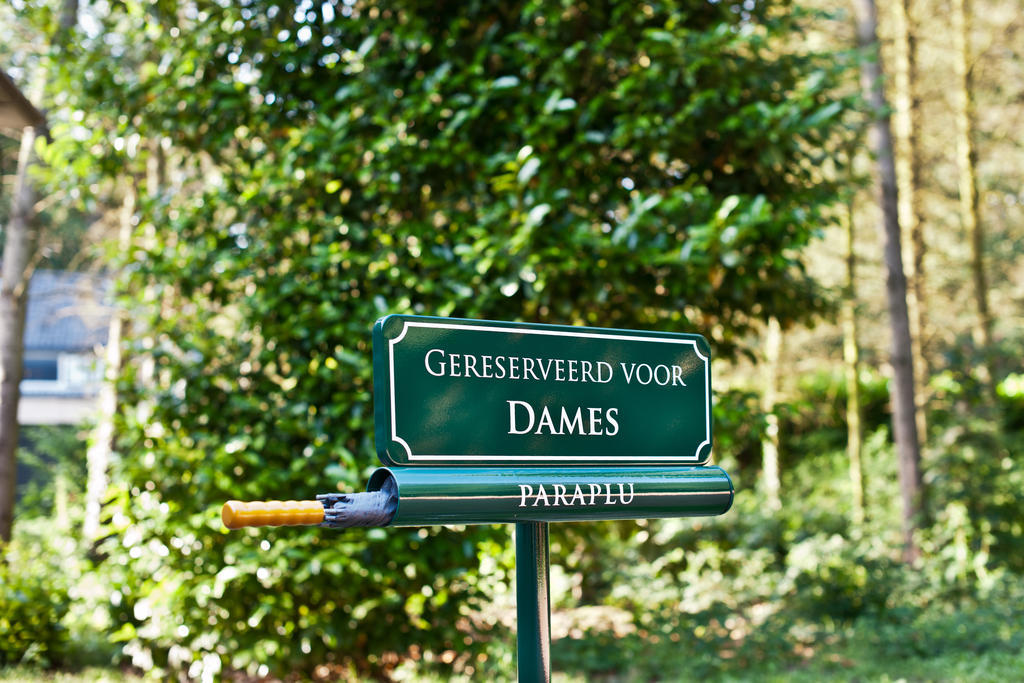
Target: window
44 370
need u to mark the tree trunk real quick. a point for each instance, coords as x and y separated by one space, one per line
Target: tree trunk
14 277
906 130
901 389
102 447
967 162
851 366
770 443
61 516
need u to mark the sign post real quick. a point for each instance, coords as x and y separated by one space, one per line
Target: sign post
482 422
533 602
595 405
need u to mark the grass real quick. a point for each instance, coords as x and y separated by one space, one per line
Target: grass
21 674
835 665
953 667
956 667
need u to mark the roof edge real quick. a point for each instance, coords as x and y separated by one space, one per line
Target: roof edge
23 111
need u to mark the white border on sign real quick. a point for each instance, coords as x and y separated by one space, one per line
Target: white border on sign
547 458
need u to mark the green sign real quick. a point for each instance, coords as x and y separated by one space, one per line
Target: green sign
469 392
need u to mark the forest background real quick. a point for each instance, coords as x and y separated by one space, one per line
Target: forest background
265 180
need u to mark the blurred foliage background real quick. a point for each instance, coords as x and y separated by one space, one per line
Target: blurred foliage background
266 179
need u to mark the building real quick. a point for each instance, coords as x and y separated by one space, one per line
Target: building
16 112
66 327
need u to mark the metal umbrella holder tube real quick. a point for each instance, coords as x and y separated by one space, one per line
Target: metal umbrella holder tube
424 497
493 496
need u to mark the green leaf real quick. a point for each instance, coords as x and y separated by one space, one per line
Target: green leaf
505 82
528 170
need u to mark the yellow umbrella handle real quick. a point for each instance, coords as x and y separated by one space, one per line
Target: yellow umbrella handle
237 514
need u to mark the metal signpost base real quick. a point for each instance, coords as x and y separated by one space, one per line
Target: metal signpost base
533 602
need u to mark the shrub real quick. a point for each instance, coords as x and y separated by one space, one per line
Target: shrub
832 579
46 453
814 421
33 603
974 497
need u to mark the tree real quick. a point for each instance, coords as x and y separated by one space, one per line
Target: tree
851 370
770 444
101 446
517 161
907 151
14 277
967 181
19 113
902 385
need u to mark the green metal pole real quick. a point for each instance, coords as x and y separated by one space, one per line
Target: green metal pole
533 602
